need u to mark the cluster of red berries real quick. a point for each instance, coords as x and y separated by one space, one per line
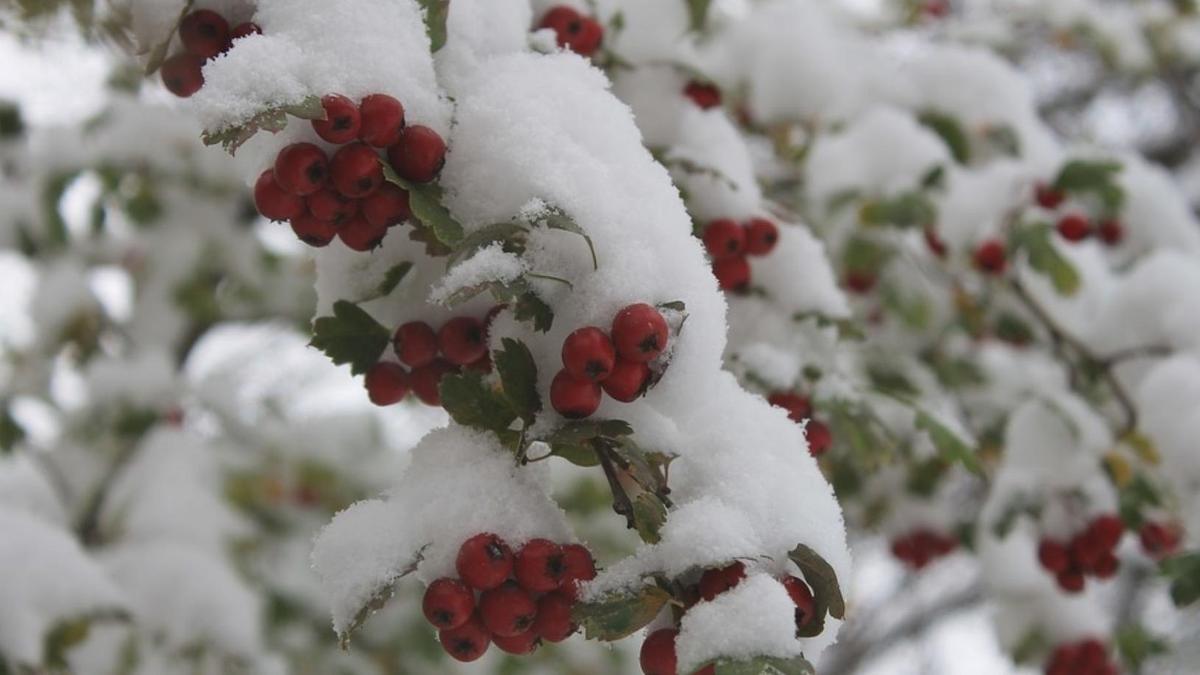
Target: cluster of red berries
729 243
573 30
1089 552
705 95
430 355
522 599
921 547
1086 657
1160 540
205 34
346 195
1075 226
799 408
594 362
658 655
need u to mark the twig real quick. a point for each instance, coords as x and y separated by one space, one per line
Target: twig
621 502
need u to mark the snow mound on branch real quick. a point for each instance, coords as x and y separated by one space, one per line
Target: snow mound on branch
718 177
755 618
477 30
1153 304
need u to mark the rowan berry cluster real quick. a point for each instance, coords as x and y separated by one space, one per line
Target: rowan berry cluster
799 409
205 34
729 242
1086 657
1090 552
921 547
512 601
429 356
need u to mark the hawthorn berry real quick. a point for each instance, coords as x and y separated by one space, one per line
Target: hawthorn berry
382 120
386 206
860 281
356 171
1048 197
581 34
484 561
588 354
331 206
639 332
579 567
1053 556
467 642
427 379
724 238
522 643
272 201
934 242
360 235
386 383
539 566
819 437
341 123
313 232
244 29
419 155
182 74
301 168
657 656
204 33
627 381
1111 232
573 397
991 257
1106 566
1074 227
798 407
718 580
1070 580
461 340
802 597
1107 530
448 603
553 621
761 236
733 274
1158 539
415 344
704 94
507 610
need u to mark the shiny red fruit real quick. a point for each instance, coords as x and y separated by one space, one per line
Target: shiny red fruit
1111 232
733 274
427 379
657 656
387 206
819 437
724 238
204 33
484 561
272 201
244 29
704 94
539 566
419 155
1048 197
341 123
798 407
934 242
507 610
415 344
639 332
1070 581
462 340
627 381
860 281
182 74
761 236
313 232
356 171
572 397
1106 530
331 206
580 567
386 383
991 257
1074 227
1053 556
588 354
301 168
468 642
581 34
716 581
359 235
802 597
553 621
448 603
382 120
521 644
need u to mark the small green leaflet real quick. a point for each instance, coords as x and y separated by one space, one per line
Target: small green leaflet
557 219
1098 177
393 277
425 200
951 132
518 375
350 336
1184 573
574 440
908 209
649 515
531 308
436 13
951 447
766 665
822 579
1137 645
473 403
1044 258
273 120
621 614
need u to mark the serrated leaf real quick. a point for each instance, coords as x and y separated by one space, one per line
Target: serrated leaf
1045 258
436 14
951 133
1086 175
821 578
529 307
574 440
425 202
273 120
393 277
351 336
378 599
518 375
949 445
472 402
557 219
649 515
698 14
619 615
765 665
509 233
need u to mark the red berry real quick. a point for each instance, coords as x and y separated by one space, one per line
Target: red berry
539 566
272 201
658 653
419 155
860 281
382 120
904 549
704 94
1107 530
1085 551
484 561
301 168
935 243
1070 581
724 238
639 332
991 257
572 397
1074 227
341 123
387 206
588 354
507 610
244 29
579 567
182 74
462 340
448 603
359 235
798 407
1106 566
1111 232
386 383
802 597
716 581
356 171
1053 556
467 642
579 33
819 437
415 343
627 381
312 231
331 206
1091 654
204 33
1159 540
523 643
761 236
553 621
427 379
733 274
1048 197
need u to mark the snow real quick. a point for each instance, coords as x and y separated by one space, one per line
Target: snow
490 264
754 618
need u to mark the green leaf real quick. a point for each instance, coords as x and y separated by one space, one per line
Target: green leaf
621 614
574 440
765 665
1184 572
1136 497
1086 175
529 307
273 120
862 254
393 277
698 14
951 447
350 336
436 13
1137 645
952 133
473 403
649 515
11 432
909 209
518 375
1045 258
509 233
1021 505
11 122
1004 138
822 579
1013 329
557 219
425 201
